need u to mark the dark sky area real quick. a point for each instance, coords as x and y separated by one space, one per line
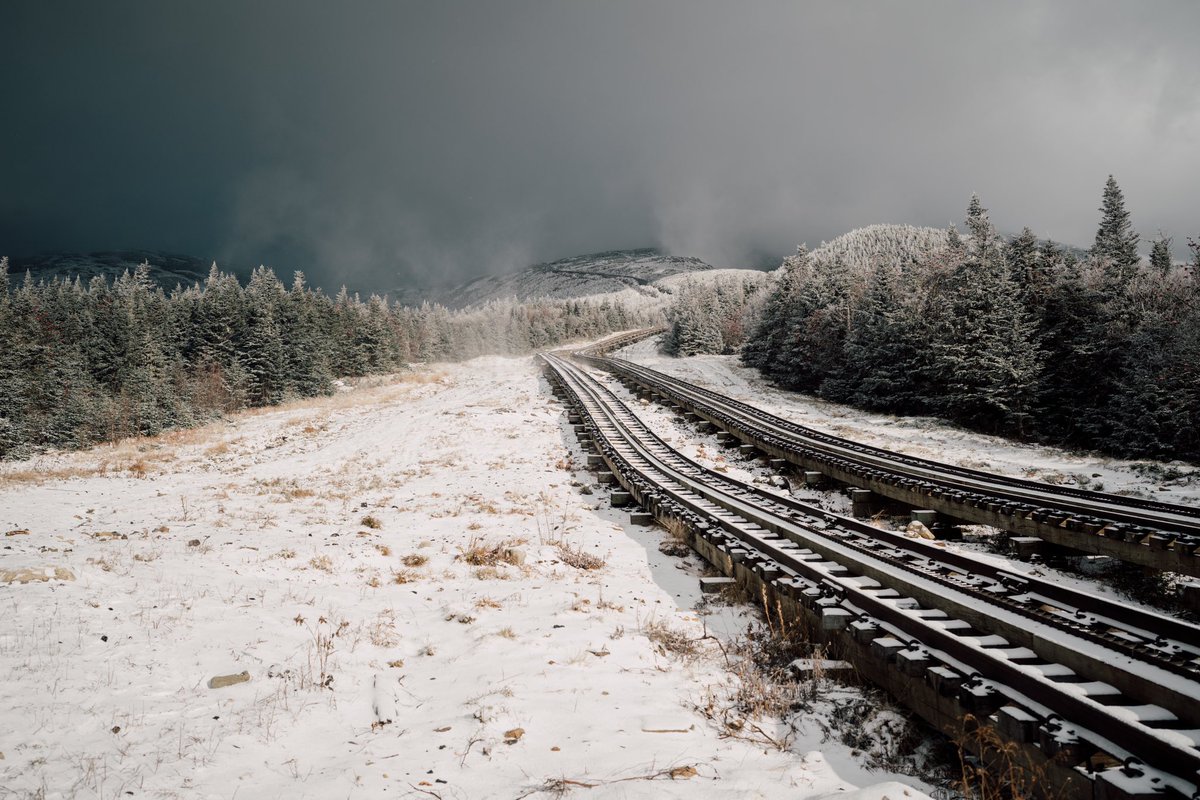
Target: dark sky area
384 144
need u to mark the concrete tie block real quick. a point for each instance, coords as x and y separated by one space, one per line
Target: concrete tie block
714 585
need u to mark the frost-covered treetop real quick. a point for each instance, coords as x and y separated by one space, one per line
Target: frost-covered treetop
862 248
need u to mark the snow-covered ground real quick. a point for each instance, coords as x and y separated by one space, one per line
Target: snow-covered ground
400 572
931 438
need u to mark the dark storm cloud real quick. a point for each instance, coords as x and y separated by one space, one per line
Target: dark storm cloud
389 143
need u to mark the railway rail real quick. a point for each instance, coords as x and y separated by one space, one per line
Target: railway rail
1103 696
1150 533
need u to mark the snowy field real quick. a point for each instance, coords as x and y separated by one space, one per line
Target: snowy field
930 438
409 589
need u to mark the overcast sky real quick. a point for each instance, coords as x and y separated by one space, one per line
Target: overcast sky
394 143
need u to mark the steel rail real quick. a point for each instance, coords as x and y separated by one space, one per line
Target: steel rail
1165 516
627 440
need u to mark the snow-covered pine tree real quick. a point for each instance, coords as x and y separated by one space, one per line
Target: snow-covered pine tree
763 348
1160 255
1116 240
985 355
1025 266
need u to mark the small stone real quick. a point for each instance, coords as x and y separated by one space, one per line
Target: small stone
513 736
221 681
554 749
918 529
108 536
683 773
194 543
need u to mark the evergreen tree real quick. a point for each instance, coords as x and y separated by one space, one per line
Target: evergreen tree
763 348
1026 267
1160 254
953 240
986 354
1116 241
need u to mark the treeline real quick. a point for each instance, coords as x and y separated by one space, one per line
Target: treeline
81 364
1021 338
712 313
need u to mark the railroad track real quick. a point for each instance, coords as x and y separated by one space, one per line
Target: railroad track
1105 697
1146 532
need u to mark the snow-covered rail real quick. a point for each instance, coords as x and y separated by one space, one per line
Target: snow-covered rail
1075 679
1146 532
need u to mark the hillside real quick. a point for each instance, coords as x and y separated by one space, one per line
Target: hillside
860 248
167 269
579 276
410 589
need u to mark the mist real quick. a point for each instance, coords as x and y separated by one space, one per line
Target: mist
385 145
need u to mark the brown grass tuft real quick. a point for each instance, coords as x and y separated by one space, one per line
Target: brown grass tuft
575 557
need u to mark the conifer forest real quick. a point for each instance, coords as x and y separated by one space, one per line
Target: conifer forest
1014 336
81 364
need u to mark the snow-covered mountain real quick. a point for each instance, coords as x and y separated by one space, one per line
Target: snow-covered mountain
167 269
580 276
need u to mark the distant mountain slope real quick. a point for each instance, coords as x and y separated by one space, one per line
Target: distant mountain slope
579 276
167 269
860 248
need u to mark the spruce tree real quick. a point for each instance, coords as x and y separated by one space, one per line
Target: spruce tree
1116 241
986 355
1025 266
1160 255
763 348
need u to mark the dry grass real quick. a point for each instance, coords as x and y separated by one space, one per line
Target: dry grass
998 769
144 455
322 562
478 553
371 522
672 641
403 576
384 550
382 632
575 557
507 633
415 560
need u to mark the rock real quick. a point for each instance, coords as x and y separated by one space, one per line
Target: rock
513 736
683 773
585 490
30 574
674 547
221 681
194 543
919 530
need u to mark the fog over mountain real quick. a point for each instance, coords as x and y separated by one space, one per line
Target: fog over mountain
386 144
